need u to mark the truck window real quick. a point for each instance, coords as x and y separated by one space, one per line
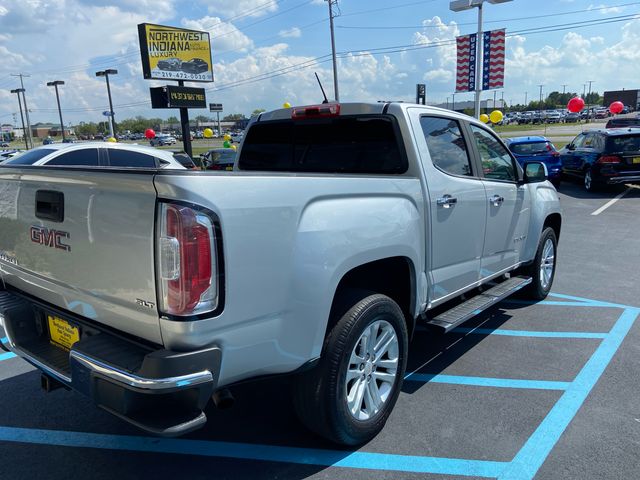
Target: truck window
30 157
85 157
446 145
346 144
127 158
497 164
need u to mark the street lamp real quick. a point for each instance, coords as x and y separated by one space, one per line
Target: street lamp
24 134
105 74
459 6
55 85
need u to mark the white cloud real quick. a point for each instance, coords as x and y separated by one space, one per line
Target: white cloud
224 35
604 9
237 8
293 32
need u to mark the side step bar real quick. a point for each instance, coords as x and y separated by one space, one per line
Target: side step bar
450 319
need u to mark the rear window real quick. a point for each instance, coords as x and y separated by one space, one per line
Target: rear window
30 157
623 122
624 143
347 144
530 148
126 158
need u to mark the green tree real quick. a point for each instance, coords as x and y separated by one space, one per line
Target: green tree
257 111
234 117
173 119
202 118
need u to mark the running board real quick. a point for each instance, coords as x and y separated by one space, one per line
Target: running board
450 319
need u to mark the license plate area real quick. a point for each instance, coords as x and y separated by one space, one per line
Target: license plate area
62 333
635 160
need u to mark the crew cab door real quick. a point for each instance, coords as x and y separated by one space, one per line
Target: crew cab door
457 204
507 203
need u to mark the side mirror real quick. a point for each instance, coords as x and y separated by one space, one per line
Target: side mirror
571 146
535 172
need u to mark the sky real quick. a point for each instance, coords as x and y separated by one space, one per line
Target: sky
265 52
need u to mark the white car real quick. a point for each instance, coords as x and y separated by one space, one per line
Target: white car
162 139
96 154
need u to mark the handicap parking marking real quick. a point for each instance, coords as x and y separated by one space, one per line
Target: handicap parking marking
524 465
5 355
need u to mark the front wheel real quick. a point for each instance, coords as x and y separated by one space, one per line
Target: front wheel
348 397
589 184
543 268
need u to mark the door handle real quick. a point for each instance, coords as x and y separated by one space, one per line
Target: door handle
496 200
446 201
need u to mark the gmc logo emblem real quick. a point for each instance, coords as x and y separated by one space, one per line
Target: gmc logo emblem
49 237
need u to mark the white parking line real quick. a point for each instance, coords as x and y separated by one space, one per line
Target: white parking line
611 202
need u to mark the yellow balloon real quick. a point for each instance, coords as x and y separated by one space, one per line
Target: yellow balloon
496 116
112 140
208 133
484 118
226 137
286 105
234 148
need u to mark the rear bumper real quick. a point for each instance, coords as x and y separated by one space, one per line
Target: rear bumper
623 179
160 391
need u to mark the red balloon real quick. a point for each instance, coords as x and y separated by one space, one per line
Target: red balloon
575 104
149 133
616 107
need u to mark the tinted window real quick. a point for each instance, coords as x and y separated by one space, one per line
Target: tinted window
126 158
84 157
446 145
579 141
347 144
624 143
30 157
530 148
184 159
496 161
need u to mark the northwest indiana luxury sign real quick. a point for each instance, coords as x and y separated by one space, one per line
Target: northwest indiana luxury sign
170 53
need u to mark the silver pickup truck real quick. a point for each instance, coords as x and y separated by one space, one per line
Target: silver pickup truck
341 228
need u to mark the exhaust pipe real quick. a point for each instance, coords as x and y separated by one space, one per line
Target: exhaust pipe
49 384
223 399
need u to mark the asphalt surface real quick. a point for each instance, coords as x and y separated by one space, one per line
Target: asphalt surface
544 391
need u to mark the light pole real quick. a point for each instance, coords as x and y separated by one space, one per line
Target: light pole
333 49
459 6
55 84
24 135
105 74
589 95
453 103
525 99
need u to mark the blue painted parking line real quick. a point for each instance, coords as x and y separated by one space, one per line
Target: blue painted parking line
487 381
6 356
529 333
247 451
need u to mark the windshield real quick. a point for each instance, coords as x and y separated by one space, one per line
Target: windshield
30 157
626 143
531 148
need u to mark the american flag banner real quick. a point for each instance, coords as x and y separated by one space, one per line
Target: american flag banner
466 69
493 60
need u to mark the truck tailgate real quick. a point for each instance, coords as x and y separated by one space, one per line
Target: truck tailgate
82 241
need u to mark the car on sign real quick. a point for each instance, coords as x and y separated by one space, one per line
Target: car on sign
219 159
537 149
195 65
96 154
603 157
170 64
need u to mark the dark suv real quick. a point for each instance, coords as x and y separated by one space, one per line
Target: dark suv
603 157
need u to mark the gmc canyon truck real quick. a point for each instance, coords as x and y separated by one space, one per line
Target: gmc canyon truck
341 228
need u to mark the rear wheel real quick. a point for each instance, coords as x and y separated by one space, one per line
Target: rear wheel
543 269
348 397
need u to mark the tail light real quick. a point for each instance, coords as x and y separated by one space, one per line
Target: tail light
316 111
609 159
186 261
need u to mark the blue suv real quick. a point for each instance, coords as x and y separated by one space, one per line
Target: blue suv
538 149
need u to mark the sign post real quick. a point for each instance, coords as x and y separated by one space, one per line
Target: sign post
170 53
216 107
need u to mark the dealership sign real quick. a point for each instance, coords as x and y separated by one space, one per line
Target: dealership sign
171 96
170 53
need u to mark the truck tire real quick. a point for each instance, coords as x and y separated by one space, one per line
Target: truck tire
349 395
543 269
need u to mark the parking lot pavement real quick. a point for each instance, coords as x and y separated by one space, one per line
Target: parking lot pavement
546 390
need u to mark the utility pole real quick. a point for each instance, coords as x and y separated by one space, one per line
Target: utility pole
112 122
589 95
55 85
453 105
584 90
447 103
564 87
26 109
333 49
494 99
525 98
24 135
502 99
541 103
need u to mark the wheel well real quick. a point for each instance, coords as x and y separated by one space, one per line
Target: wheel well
393 277
554 221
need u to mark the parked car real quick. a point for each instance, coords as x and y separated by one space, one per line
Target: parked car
622 122
161 140
537 148
603 157
170 64
219 159
195 65
551 116
185 160
572 117
7 154
345 227
96 154
47 141
601 113
4 144
237 137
